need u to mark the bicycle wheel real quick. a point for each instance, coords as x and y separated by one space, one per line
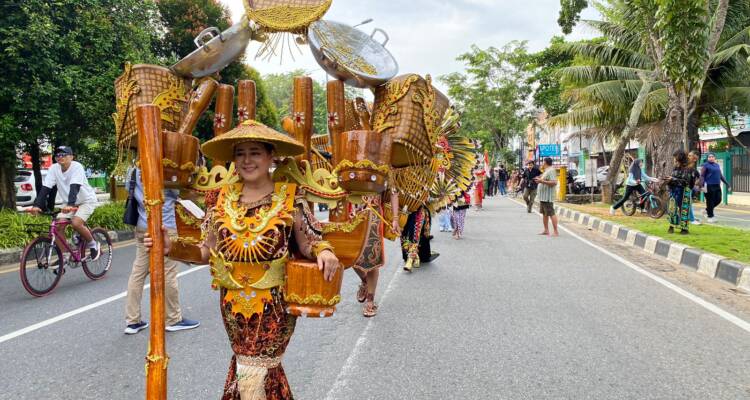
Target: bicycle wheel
41 267
656 208
96 269
628 208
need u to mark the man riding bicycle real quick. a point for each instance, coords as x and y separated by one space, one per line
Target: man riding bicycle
70 178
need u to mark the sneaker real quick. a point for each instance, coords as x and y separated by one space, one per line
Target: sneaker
611 211
711 220
183 325
95 250
696 222
132 329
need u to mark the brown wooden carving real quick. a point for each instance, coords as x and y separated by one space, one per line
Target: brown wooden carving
307 293
148 120
364 113
246 100
362 160
199 100
302 112
180 153
223 115
348 244
336 100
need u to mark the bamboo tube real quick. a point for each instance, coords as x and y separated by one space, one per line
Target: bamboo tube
199 100
148 120
302 112
224 104
336 112
246 100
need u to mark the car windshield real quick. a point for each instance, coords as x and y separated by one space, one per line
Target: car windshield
22 176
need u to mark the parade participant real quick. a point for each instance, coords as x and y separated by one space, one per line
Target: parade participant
463 202
444 218
140 269
680 188
693 157
415 239
712 179
530 184
257 225
80 199
479 174
367 266
547 194
633 184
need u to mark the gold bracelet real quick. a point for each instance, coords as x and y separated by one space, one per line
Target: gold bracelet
320 246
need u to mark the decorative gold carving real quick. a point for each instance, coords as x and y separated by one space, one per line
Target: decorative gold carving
188 166
128 89
221 272
286 17
187 218
312 299
170 98
362 164
219 176
319 186
320 246
426 98
395 91
346 227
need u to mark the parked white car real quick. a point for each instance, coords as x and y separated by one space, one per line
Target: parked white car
26 187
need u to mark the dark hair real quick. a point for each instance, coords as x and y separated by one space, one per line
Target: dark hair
681 157
530 162
547 161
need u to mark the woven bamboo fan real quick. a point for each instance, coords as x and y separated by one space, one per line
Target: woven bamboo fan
277 17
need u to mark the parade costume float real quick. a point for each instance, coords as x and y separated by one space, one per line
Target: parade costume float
381 159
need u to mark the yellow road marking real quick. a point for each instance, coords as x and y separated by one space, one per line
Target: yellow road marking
14 268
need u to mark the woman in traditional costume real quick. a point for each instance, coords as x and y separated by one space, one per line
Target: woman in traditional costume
680 193
415 239
480 174
256 226
372 257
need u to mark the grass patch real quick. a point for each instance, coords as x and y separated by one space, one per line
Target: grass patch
722 240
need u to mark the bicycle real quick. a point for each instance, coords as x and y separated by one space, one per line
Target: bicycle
43 264
646 201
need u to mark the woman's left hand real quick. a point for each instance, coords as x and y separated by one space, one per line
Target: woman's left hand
328 263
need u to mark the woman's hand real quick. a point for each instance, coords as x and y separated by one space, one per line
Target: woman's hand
395 226
328 263
148 242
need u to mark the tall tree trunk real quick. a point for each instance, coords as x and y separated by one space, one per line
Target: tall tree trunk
7 187
671 139
627 133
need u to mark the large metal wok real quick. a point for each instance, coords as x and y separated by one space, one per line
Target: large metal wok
351 55
215 50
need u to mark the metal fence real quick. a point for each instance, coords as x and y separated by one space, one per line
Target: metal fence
741 173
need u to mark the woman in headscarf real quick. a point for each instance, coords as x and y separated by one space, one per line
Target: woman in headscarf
636 175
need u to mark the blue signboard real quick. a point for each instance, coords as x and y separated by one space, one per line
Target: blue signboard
549 150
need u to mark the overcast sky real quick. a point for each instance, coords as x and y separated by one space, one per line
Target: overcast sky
427 35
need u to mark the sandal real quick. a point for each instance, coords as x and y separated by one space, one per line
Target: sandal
362 292
370 309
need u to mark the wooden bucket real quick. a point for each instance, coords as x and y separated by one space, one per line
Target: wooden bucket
363 159
399 114
180 153
148 84
347 237
185 245
307 294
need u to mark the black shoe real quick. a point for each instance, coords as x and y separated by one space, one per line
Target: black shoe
684 231
433 256
671 229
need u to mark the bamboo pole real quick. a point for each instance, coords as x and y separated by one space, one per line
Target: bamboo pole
148 119
224 105
336 100
246 100
302 112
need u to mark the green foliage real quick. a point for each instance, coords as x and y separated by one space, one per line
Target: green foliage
17 229
492 92
570 14
545 66
719 146
280 88
109 216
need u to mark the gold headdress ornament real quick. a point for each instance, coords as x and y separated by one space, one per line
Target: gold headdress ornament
455 158
221 148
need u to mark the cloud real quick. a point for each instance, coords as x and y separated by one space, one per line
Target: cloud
426 36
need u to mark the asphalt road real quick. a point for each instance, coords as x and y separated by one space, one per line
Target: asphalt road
502 314
738 218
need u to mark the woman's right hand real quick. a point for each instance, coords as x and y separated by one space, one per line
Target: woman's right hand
148 242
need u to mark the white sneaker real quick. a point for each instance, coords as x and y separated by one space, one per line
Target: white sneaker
696 222
611 211
711 220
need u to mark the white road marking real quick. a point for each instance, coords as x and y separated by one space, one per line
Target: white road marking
83 309
346 370
739 322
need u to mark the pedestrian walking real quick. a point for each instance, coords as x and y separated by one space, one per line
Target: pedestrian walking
693 158
492 183
636 175
140 270
502 178
547 192
681 184
530 184
712 178
458 217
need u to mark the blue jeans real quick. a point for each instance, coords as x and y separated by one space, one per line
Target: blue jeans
501 186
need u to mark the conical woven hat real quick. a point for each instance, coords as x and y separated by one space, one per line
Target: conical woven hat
221 148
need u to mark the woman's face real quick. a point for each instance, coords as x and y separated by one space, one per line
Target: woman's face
252 161
712 158
692 157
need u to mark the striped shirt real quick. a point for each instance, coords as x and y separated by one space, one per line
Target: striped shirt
548 193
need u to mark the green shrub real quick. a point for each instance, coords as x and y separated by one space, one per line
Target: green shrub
109 216
17 229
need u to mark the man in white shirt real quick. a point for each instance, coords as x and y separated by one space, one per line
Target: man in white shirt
80 199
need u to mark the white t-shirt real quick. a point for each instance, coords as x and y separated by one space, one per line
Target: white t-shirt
63 180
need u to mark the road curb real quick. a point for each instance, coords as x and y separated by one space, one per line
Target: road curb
12 256
704 263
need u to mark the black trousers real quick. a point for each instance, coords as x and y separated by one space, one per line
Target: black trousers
713 199
628 191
